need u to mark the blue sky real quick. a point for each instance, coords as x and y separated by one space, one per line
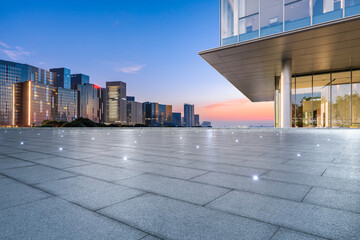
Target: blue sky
150 45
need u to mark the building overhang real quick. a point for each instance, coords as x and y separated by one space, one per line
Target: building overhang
252 66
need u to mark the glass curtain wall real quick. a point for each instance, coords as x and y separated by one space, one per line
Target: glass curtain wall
297 14
229 15
327 10
341 95
271 21
241 20
326 100
248 19
355 103
352 7
321 100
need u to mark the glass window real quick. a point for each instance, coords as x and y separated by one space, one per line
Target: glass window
303 103
248 19
340 112
293 102
271 12
352 7
228 20
297 14
326 10
356 98
321 100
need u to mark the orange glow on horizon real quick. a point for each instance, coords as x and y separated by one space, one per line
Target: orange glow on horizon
237 110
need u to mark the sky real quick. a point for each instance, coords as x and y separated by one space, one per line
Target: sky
151 45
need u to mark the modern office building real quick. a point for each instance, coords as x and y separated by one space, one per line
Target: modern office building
39 87
196 120
176 119
302 54
151 114
206 124
63 77
116 108
130 98
89 101
168 115
189 115
134 112
77 79
67 104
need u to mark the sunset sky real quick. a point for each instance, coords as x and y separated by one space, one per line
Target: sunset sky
150 45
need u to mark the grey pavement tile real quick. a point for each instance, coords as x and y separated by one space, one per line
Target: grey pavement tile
347 173
60 162
266 187
225 168
335 199
9 162
13 193
159 216
73 154
287 234
196 193
348 158
170 160
283 167
88 192
29 155
57 219
103 172
149 237
112 161
312 180
36 174
312 219
167 170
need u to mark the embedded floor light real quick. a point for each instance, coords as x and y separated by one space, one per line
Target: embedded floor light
236 140
298 155
61 149
22 143
197 146
255 178
125 158
92 138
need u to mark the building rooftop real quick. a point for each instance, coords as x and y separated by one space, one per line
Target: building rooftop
179 184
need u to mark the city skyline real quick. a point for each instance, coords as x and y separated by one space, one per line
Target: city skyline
154 69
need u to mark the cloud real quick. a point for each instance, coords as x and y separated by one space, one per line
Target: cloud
16 54
131 69
230 103
4 45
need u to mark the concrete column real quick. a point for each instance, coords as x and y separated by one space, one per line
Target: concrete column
285 95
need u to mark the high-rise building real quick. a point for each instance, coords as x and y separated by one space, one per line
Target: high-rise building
63 77
67 104
11 74
130 98
151 114
176 119
77 79
168 115
89 101
116 107
304 55
162 114
134 113
196 120
189 115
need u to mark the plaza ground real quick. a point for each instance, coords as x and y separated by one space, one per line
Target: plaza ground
179 183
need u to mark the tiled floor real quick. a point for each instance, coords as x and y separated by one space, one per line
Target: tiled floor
179 184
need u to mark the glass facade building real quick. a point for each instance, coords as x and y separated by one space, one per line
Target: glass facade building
176 119
324 100
63 77
88 103
67 104
116 105
79 79
189 120
242 20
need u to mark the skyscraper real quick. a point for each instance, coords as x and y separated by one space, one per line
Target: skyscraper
116 108
79 79
168 115
196 120
89 99
67 104
134 112
176 119
63 77
188 115
302 54
151 114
